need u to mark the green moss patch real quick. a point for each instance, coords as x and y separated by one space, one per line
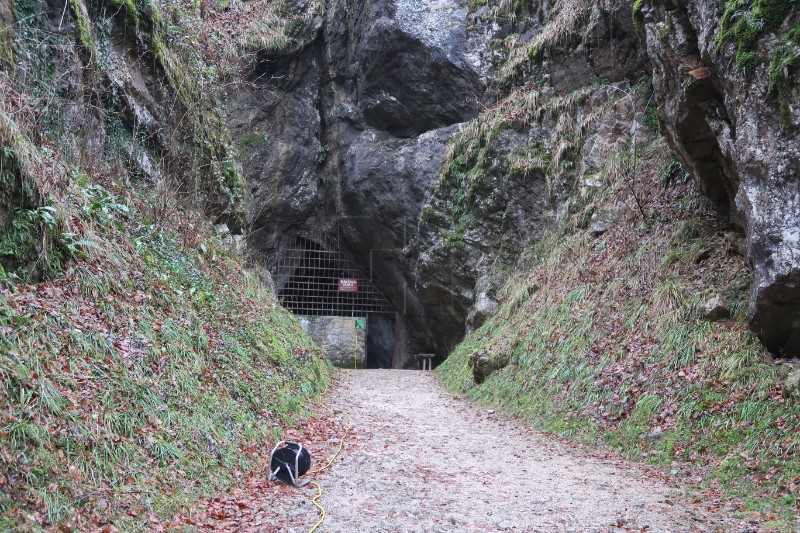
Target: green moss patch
783 68
744 21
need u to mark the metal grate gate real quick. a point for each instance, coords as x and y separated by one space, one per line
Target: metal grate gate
310 281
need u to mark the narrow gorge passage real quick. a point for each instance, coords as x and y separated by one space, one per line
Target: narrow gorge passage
421 459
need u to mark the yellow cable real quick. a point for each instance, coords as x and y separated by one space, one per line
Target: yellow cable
324 467
321 508
332 458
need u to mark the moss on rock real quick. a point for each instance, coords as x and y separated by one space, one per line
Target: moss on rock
783 68
638 17
744 22
84 32
7 18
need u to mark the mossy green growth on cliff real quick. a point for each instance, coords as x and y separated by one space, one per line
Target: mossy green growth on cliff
636 15
169 35
783 70
471 159
772 12
83 28
745 21
131 11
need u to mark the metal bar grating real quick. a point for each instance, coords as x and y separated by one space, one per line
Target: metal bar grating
308 277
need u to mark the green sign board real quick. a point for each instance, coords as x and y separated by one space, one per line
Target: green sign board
360 323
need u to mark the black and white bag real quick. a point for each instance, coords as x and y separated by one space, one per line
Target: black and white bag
288 461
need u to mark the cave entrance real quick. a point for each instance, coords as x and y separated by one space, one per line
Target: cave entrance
338 305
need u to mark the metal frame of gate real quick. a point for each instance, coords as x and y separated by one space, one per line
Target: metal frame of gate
308 270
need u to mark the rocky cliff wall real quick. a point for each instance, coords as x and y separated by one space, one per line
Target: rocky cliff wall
121 87
724 75
345 132
439 142
436 142
356 130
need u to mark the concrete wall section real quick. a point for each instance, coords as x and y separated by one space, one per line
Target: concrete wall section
340 337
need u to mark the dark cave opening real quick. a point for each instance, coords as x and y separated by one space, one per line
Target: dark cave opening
380 340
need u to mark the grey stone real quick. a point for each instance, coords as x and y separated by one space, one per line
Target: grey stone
716 308
791 383
483 364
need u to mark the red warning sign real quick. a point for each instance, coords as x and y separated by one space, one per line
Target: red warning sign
348 285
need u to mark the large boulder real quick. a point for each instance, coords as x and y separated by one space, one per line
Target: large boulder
409 84
738 135
403 66
484 364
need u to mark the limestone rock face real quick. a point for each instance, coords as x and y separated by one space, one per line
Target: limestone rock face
348 130
385 177
345 132
277 127
485 298
409 82
604 47
741 143
401 66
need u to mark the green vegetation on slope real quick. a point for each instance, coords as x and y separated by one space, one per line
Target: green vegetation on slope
150 368
605 344
140 365
146 80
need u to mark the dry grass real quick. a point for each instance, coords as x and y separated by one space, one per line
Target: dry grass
243 29
560 25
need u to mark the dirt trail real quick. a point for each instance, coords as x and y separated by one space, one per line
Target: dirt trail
421 460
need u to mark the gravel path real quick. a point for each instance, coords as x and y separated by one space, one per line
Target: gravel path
422 460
